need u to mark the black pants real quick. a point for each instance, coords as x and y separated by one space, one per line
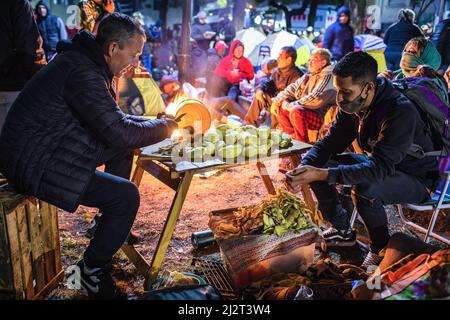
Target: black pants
118 200
369 199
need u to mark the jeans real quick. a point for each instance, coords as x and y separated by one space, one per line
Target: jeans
118 200
369 199
234 92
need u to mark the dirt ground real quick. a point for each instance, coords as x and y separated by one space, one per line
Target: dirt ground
233 187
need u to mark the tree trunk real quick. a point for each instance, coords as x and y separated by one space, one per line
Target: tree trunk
163 10
184 59
239 13
358 10
312 13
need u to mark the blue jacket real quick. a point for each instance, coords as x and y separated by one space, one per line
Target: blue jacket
339 37
52 29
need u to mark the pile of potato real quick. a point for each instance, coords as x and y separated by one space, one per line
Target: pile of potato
232 144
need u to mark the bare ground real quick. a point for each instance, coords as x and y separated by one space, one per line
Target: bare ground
230 188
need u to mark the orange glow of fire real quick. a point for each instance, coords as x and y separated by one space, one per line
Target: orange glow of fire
176 135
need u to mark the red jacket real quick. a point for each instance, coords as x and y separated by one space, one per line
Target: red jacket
225 67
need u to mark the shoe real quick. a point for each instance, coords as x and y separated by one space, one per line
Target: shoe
93 226
339 238
371 260
133 238
98 284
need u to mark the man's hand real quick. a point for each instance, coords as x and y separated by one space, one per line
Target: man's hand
171 126
260 95
387 74
275 107
287 105
235 73
304 175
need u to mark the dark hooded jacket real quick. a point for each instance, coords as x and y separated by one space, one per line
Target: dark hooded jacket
441 39
385 132
19 38
339 37
51 28
225 67
62 122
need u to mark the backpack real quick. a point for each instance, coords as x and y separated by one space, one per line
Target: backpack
428 98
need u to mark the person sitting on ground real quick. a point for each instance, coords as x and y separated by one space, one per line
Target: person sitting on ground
285 74
267 68
419 52
234 68
214 56
386 125
65 123
303 104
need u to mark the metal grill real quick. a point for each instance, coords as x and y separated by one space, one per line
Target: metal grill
215 275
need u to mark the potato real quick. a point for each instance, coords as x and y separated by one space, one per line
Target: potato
231 137
231 151
264 132
248 139
251 152
275 136
210 148
212 136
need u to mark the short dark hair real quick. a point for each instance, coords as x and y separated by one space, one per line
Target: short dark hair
291 52
118 27
361 66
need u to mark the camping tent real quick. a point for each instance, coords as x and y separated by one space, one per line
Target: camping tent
271 47
250 38
374 46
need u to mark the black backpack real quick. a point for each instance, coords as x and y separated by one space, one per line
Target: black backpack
429 99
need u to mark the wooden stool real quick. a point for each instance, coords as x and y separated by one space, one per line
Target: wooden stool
30 254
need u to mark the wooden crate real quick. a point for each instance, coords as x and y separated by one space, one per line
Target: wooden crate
30 255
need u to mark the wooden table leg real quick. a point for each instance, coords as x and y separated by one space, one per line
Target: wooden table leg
265 177
306 192
169 227
138 173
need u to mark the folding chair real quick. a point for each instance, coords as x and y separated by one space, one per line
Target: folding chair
439 201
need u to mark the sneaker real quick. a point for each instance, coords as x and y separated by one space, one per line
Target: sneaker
98 284
371 260
133 238
339 238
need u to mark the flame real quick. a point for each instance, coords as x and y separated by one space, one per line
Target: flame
172 107
176 135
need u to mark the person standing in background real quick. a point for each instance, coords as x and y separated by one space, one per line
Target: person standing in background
20 39
398 35
51 27
339 37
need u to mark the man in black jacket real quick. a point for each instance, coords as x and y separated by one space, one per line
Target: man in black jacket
19 38
65 123
385 125
285 74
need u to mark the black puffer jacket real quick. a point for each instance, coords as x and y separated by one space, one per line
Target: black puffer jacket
61 123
